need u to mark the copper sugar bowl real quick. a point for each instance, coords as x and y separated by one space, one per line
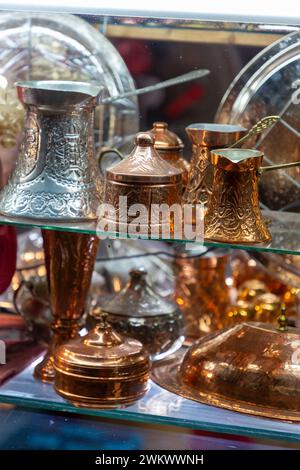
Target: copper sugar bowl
143 179
250 367
170 148
205 138
139 312
102 369
233 213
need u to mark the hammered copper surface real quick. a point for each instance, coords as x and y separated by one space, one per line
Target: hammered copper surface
102 369
70 262
170 148
233 213
201 292
251 367
139 312
204 138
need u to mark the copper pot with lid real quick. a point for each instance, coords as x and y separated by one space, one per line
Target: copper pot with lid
143 178
102 369
170 148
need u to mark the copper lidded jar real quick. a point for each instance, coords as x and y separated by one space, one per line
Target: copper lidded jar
143 178
138 311
204 138
170 148
102 370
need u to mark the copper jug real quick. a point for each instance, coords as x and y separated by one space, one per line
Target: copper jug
233 213
170 148
206 137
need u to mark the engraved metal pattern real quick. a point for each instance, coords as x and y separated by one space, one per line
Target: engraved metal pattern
200 179
69 261
233 213
56 175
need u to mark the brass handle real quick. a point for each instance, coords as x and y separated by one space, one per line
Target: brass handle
282 166
105 151
258 128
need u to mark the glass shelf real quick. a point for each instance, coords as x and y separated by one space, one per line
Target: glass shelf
157 406
284 227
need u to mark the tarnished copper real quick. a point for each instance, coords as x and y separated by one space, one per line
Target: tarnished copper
69 261
206 137
233 213
201 291
102 369
144 178
139 312
170 148
250 367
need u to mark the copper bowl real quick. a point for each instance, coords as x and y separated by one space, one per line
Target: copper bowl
251 367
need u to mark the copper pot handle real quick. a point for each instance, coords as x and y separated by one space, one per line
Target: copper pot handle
104 151
282 166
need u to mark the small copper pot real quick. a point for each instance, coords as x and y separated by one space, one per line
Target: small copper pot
170 148
233 213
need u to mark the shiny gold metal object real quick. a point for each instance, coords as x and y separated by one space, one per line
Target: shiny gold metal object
233 213
139 312
69 259
258 128
143 177
201 292
101 370
206 137
267 308
250 367
240 311
251 289
170 148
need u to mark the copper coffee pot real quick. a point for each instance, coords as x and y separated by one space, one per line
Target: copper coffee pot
205 138
233 213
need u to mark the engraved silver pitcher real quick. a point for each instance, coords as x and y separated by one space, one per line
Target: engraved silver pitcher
56 176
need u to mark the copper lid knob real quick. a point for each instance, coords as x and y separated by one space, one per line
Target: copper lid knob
144 139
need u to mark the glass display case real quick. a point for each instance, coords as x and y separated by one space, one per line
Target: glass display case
89 80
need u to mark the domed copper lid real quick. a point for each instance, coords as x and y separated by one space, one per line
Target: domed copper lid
102 353
144 165
164 139
138 299
103 369
251 367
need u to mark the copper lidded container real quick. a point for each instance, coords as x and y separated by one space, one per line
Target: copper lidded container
138 311
170 148
205 138
145 178
102 369
250 367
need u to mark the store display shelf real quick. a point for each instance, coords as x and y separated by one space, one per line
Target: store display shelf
158 406
284 227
